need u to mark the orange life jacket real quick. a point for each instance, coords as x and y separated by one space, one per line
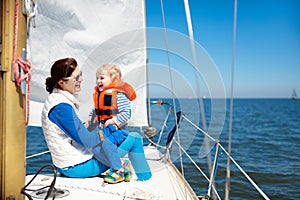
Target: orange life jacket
105 102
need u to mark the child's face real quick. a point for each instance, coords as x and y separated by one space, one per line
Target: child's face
103 80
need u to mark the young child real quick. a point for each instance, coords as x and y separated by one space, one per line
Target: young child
112 110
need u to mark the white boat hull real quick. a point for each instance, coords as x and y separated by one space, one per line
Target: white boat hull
166 183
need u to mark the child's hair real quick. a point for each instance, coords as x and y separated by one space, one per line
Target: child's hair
112 70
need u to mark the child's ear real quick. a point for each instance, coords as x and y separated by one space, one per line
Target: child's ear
113 78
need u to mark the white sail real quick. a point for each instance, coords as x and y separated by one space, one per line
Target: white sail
93 32
294 94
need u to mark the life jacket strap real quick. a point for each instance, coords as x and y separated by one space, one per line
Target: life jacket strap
101 135
107 112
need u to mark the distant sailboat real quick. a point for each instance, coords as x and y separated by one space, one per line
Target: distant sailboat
294 94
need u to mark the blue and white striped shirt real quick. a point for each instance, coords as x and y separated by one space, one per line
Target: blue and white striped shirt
124 108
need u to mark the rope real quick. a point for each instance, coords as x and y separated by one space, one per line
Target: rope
154 143
26 65
15 29
51 186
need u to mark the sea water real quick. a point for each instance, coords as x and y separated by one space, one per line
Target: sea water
265 142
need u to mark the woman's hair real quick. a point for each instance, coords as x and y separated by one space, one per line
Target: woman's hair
61 68
112 70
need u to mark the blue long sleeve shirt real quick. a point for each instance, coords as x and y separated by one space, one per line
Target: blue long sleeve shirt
64 116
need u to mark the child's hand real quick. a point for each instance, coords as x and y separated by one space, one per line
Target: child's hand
111 121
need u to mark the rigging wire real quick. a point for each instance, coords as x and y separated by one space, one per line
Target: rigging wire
227 185
171 81
198 91
148 95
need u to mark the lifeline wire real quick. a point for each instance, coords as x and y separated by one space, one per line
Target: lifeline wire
231 158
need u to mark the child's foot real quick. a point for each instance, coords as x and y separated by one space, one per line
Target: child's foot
117 176
114 176
127 171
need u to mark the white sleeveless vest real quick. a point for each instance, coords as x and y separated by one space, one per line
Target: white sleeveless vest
64 151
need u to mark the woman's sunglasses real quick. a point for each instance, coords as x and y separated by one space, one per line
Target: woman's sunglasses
74 77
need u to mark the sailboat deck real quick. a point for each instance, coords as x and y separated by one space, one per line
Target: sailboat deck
166 183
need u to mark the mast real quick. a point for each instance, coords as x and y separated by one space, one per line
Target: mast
12 106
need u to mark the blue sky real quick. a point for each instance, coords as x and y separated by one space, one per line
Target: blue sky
267 58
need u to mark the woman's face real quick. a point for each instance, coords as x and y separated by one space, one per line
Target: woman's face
72 83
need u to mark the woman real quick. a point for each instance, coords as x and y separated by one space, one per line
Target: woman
70 143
